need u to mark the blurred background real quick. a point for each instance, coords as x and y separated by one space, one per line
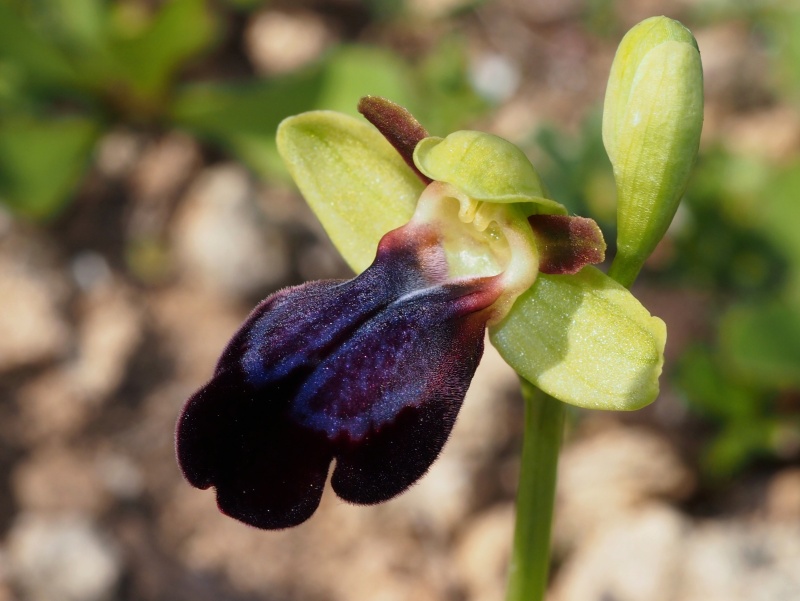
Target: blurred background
144 210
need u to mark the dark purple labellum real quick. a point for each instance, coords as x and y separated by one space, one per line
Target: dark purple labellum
370 372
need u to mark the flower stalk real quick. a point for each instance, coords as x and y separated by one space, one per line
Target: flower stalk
530 555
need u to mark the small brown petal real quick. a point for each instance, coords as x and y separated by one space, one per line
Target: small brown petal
397 125
567 244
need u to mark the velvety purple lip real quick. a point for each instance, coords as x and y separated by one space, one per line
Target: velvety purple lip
370 372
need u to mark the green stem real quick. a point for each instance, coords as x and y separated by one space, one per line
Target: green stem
530 560
625 270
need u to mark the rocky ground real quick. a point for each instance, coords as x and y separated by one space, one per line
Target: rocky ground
111 316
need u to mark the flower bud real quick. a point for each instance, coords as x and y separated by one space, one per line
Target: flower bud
652 119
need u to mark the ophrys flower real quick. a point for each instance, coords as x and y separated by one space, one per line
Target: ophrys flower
450 235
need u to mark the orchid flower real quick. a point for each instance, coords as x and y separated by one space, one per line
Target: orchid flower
450 236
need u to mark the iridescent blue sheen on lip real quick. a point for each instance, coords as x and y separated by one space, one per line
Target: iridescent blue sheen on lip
370 372
300 324
346 394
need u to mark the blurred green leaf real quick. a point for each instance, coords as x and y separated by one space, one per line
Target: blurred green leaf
75 26
782 26
762 343
246 5
351 72
451 100
712 392
600 18
179 31
578 173
778 215
753 206
41 161
384 10
732 183
42 63
744 414
244 117
738 444
713 252
722 242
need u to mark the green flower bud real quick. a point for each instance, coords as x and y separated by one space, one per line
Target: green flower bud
652 119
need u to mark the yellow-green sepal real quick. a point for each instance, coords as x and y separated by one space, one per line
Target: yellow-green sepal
585 340
652 119
486 168
355 182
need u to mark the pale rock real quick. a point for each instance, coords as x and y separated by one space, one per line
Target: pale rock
283 204
515 119
164 167
772 133
654 553
119 475
196 328
629 13
117 153
90 270
60 401
783 496
279 42
734 63
482 553
162 171
440 500
729 560
51 407
32 328
110 330
638 558
223 241
383 569
57 479
62 557
494 76
610 473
